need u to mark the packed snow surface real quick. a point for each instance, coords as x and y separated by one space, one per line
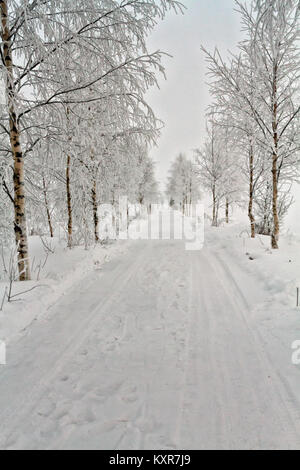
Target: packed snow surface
162 348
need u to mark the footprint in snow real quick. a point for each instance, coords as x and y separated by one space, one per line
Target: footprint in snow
46 408
65 378
130 394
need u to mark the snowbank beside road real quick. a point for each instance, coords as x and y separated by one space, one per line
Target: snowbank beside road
277 271
54 271
270 278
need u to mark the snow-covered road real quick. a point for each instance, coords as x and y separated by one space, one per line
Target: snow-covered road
155 350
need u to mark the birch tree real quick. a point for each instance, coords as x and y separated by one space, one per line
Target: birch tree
43 42
267 92
211 168
183 185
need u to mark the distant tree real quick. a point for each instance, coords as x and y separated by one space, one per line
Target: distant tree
183 185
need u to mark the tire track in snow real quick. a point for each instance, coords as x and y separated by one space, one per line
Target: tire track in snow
165 290
146 276
230 401
28 402
203 376
274 385
179 417
224 398
220 387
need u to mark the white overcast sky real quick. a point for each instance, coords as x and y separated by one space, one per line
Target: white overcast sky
183 98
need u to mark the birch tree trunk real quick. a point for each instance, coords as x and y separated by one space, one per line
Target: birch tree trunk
69 202
18 157
227 211
251 192
47 208
267 230
214 218
95 211
275 231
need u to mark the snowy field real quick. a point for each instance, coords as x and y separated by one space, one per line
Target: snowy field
146 345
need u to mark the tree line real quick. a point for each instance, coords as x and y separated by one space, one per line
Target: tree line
253 140
75 126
